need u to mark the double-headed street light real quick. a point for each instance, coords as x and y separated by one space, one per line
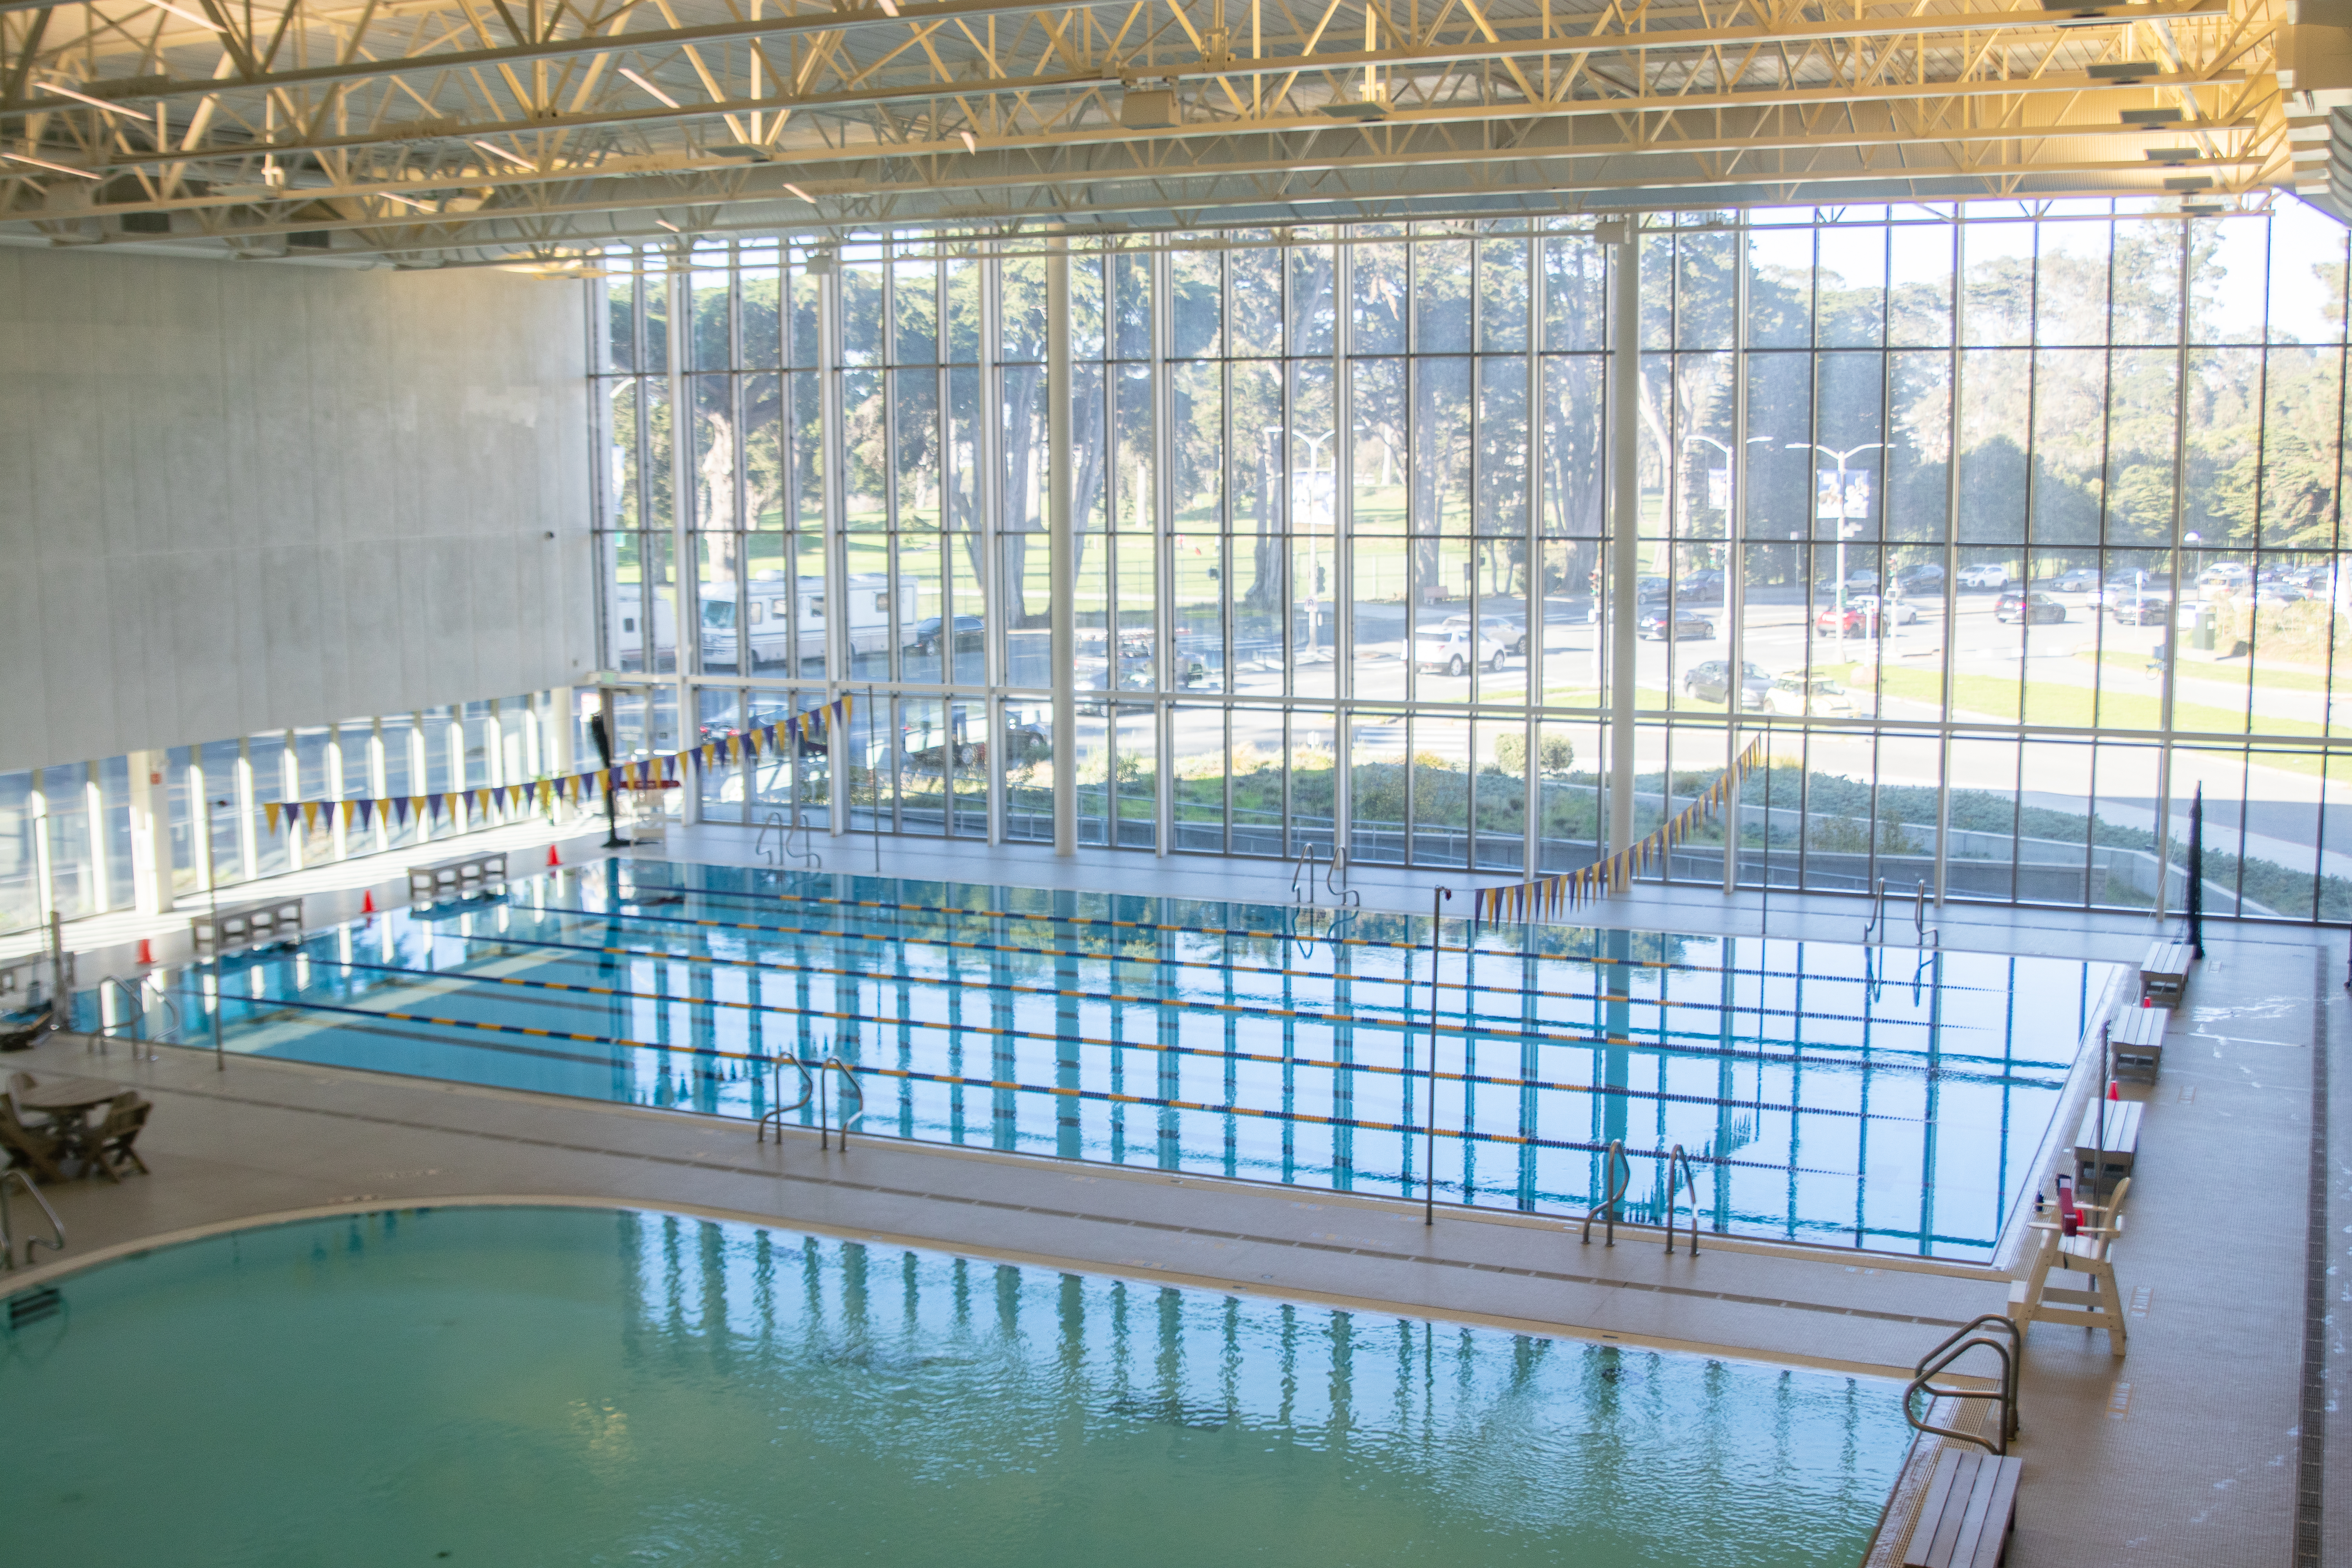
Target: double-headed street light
1840 459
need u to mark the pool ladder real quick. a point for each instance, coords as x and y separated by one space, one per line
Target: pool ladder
1617 1169
135 1000
808 1092
2008 1342
1620 1169
8 1230
850 1087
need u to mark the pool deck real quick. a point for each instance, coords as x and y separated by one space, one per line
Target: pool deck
2186 1451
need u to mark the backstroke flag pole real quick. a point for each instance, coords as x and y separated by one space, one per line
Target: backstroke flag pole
1438 899
2197 872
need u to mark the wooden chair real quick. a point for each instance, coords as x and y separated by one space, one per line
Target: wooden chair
107 1146
37 1151
2034 1299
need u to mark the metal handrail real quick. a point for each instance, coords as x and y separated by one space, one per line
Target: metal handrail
1340 890
1610 1162
1303 891
136 996
1876 924
1920 934
775 823
849 1081
8 1232
808 1093
1691 1177
2008 1345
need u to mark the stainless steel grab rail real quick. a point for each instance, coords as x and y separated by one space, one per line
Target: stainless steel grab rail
1610 1162
2008 1345
1678 1158
8 1231
1340 890
775 823
1302 879
849 1082
808 1093
136 999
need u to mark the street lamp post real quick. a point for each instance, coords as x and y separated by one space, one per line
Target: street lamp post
1841 457
1313 535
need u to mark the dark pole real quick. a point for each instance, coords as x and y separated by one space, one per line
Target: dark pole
2197 873
1437 899
602 733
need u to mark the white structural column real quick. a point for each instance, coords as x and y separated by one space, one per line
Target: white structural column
1063 539
151 833
1624 525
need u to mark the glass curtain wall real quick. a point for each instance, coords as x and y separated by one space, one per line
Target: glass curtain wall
66 830
2007 529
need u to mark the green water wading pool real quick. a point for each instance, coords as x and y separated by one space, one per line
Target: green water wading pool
523 1386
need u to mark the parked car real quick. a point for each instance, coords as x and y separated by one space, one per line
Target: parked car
2278 593
2224 574
2019 606
1454 648
1677 626
2116 589
1984 574
970 634
1711 682
1797 693
1511 631
2077 580
1853 621
1926 578
1650 587
2141 609
1701 588
1896 612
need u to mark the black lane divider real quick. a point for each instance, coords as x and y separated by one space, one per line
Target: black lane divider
1737 1011
761 899
1503 1031
1103 1096
1488 1080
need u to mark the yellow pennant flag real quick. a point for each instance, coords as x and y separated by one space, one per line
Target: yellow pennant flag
310 816
270 811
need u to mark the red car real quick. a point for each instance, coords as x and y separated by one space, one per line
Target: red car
1859 621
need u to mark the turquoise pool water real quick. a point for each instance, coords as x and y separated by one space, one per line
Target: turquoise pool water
1825 1092
520 1386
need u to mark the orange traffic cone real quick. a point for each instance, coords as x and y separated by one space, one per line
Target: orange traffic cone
146 951
552 858
367 902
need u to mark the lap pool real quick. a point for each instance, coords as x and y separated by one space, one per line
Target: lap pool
1825 1092
533 1385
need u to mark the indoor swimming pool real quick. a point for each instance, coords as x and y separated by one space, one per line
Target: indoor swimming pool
538 1384
1881 1098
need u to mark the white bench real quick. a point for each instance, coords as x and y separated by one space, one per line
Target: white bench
242 927
1969 1510
477 874
2135 1041
2105 1147
2163 974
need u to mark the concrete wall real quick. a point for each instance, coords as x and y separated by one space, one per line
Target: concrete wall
236 497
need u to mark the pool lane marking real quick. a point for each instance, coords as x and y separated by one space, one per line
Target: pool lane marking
968 1200
1291 936
1487 1080
1760 1012
757 899
1105 1096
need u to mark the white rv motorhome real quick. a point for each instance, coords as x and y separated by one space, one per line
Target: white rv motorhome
877 620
